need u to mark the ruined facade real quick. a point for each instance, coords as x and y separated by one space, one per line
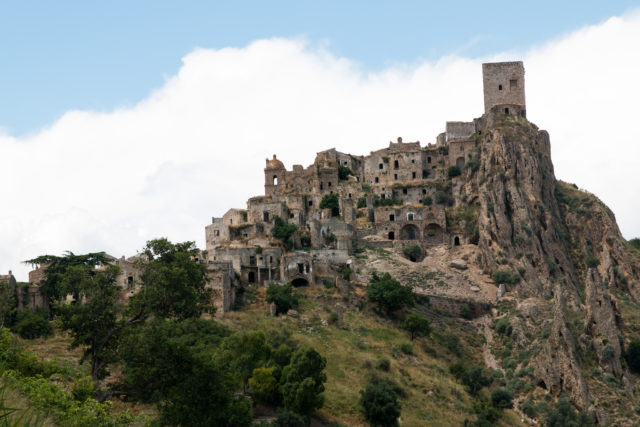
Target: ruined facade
394 197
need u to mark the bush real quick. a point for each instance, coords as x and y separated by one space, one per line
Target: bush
264 385
413 252
282 229
473 164
563 414
282 296
453 171
608 352
505 276
465 312
331 201
388 293
82 389
406 348
344 172
362 202
443 198
31 325
383 364
417 325
529 408
592 261
503 327
502 399
475 379
386 201
380 405
427 201
635 243
632 356
290 419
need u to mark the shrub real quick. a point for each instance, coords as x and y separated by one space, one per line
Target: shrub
331 201
503 327
505 276
406 348
608 352
290 419
383 364
592 261
634 243
427 201
413 252
380 405
529 408
362 202
563 414
333 318
502 399
443 198
31 325
453 171
417 325
282 296
473 164
388 293
82 389
344 172
282 229
386 201
475 379
632 355
465 312
264 385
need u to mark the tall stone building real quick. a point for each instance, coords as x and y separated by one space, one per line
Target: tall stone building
503 84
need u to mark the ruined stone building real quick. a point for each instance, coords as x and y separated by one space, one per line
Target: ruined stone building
398 196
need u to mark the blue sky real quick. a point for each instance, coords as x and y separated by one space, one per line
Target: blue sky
90 55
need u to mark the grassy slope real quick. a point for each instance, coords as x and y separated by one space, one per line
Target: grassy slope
433 396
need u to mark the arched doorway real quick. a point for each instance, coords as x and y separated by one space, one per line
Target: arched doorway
300 281
251 277
409 232
456 241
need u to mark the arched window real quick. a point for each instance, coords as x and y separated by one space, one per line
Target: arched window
275 180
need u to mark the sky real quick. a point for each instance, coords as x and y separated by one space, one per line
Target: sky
124 121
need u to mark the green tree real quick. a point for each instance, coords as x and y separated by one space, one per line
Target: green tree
417 325
263 385
562 414
243 352
453 171
388 293
502 398
282 296
302 381
283 230
331 201
344 172
475 379
30 324
380 404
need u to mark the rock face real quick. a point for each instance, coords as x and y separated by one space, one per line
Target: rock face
571 257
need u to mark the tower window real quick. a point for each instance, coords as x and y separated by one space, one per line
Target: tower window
275 180
506 111
392 217
395 164
380 166
499 87
413 175
395 176
404 190
376 179
428 159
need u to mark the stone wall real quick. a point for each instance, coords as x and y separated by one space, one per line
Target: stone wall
503 83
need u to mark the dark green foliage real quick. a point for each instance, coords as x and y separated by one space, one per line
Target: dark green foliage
473 164
406 348
302 381
413 252
57 268
380 404
502 398
362 202
632 356
282 296
591 260
388 293
443 198
465 312
344 172
563 414
383 364
486 414
290 419
175 286
503 327
475 379
283 230
505 276
417 325
377 201
635 243
8 303
346 273
30 324
331 201
453 171
243 352
427 201
305 241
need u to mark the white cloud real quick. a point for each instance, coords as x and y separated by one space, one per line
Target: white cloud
196 146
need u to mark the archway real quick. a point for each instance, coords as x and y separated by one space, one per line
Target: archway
433 234
275 180
409 232
300 281
252 277
456 241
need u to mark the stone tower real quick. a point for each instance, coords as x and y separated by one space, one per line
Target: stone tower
504 86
